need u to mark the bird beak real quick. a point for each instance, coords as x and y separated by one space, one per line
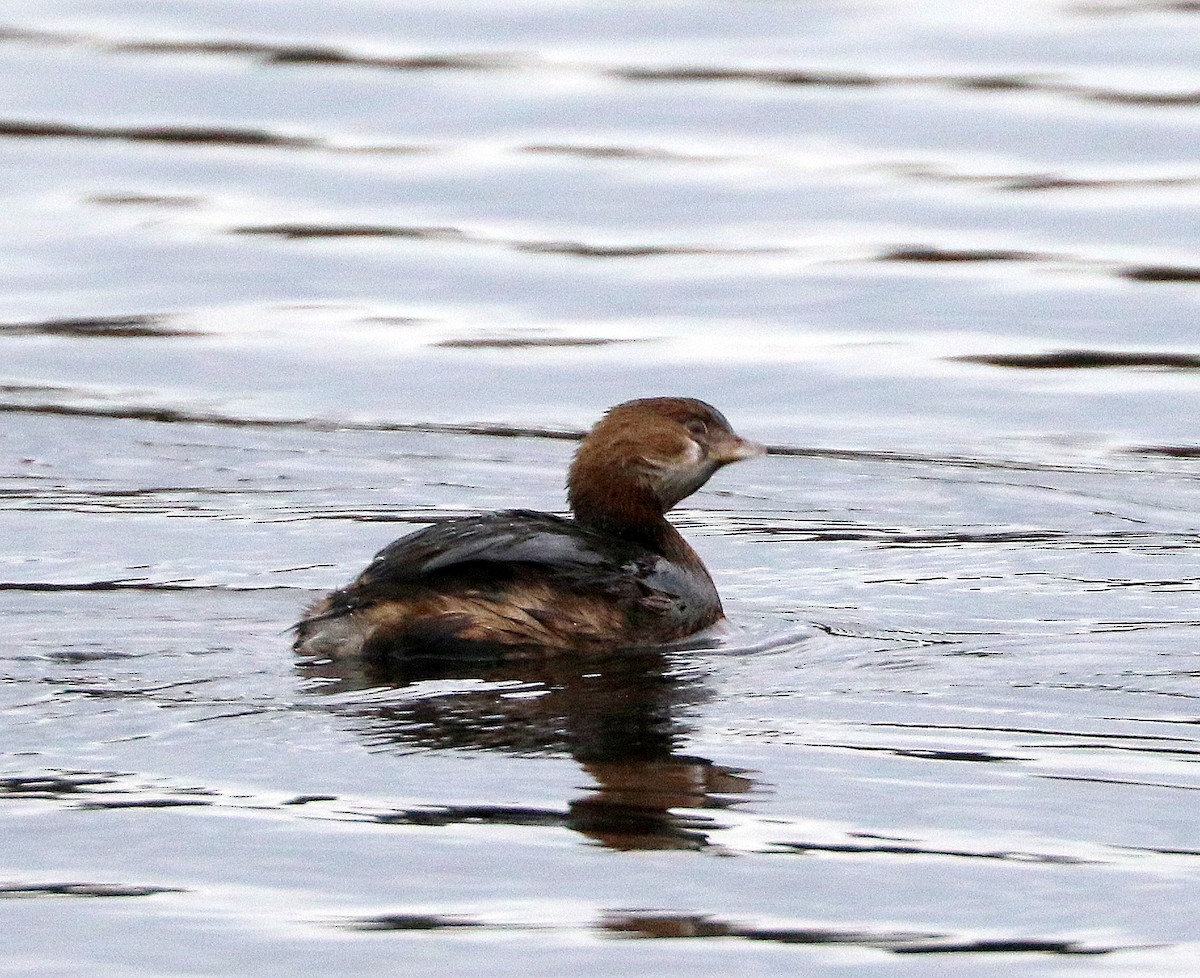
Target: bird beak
734 450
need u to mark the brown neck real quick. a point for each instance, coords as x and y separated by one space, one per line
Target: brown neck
620 507
630 511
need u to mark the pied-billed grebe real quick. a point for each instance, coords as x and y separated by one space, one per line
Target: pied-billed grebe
519 583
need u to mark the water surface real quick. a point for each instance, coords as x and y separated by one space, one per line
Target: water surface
283 281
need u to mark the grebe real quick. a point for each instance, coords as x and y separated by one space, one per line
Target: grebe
518 583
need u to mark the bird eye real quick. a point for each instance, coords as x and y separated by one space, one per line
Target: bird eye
697 427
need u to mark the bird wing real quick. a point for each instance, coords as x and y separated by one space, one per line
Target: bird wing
511 536
576 557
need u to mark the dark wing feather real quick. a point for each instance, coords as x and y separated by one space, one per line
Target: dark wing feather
577 557
512 536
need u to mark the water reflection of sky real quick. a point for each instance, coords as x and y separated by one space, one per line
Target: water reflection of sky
279 282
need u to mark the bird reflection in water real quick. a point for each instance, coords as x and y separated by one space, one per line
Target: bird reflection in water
617 717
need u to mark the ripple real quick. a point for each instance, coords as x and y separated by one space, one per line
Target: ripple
54 785
1108 7
326 56
580 249
615 152
1083 360
1168 451
523 342
118 803
906 254
674 925
762 76
11 890
817 77
924 253
771 525
268 53
301 54
1161 273
927 754
98 327
132 584
1026 182
144 200
934 255
411 921
1034 731
171 415
302 231
1050 181
679 926
588 250
186 135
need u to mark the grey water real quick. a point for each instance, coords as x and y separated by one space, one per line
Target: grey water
283 280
